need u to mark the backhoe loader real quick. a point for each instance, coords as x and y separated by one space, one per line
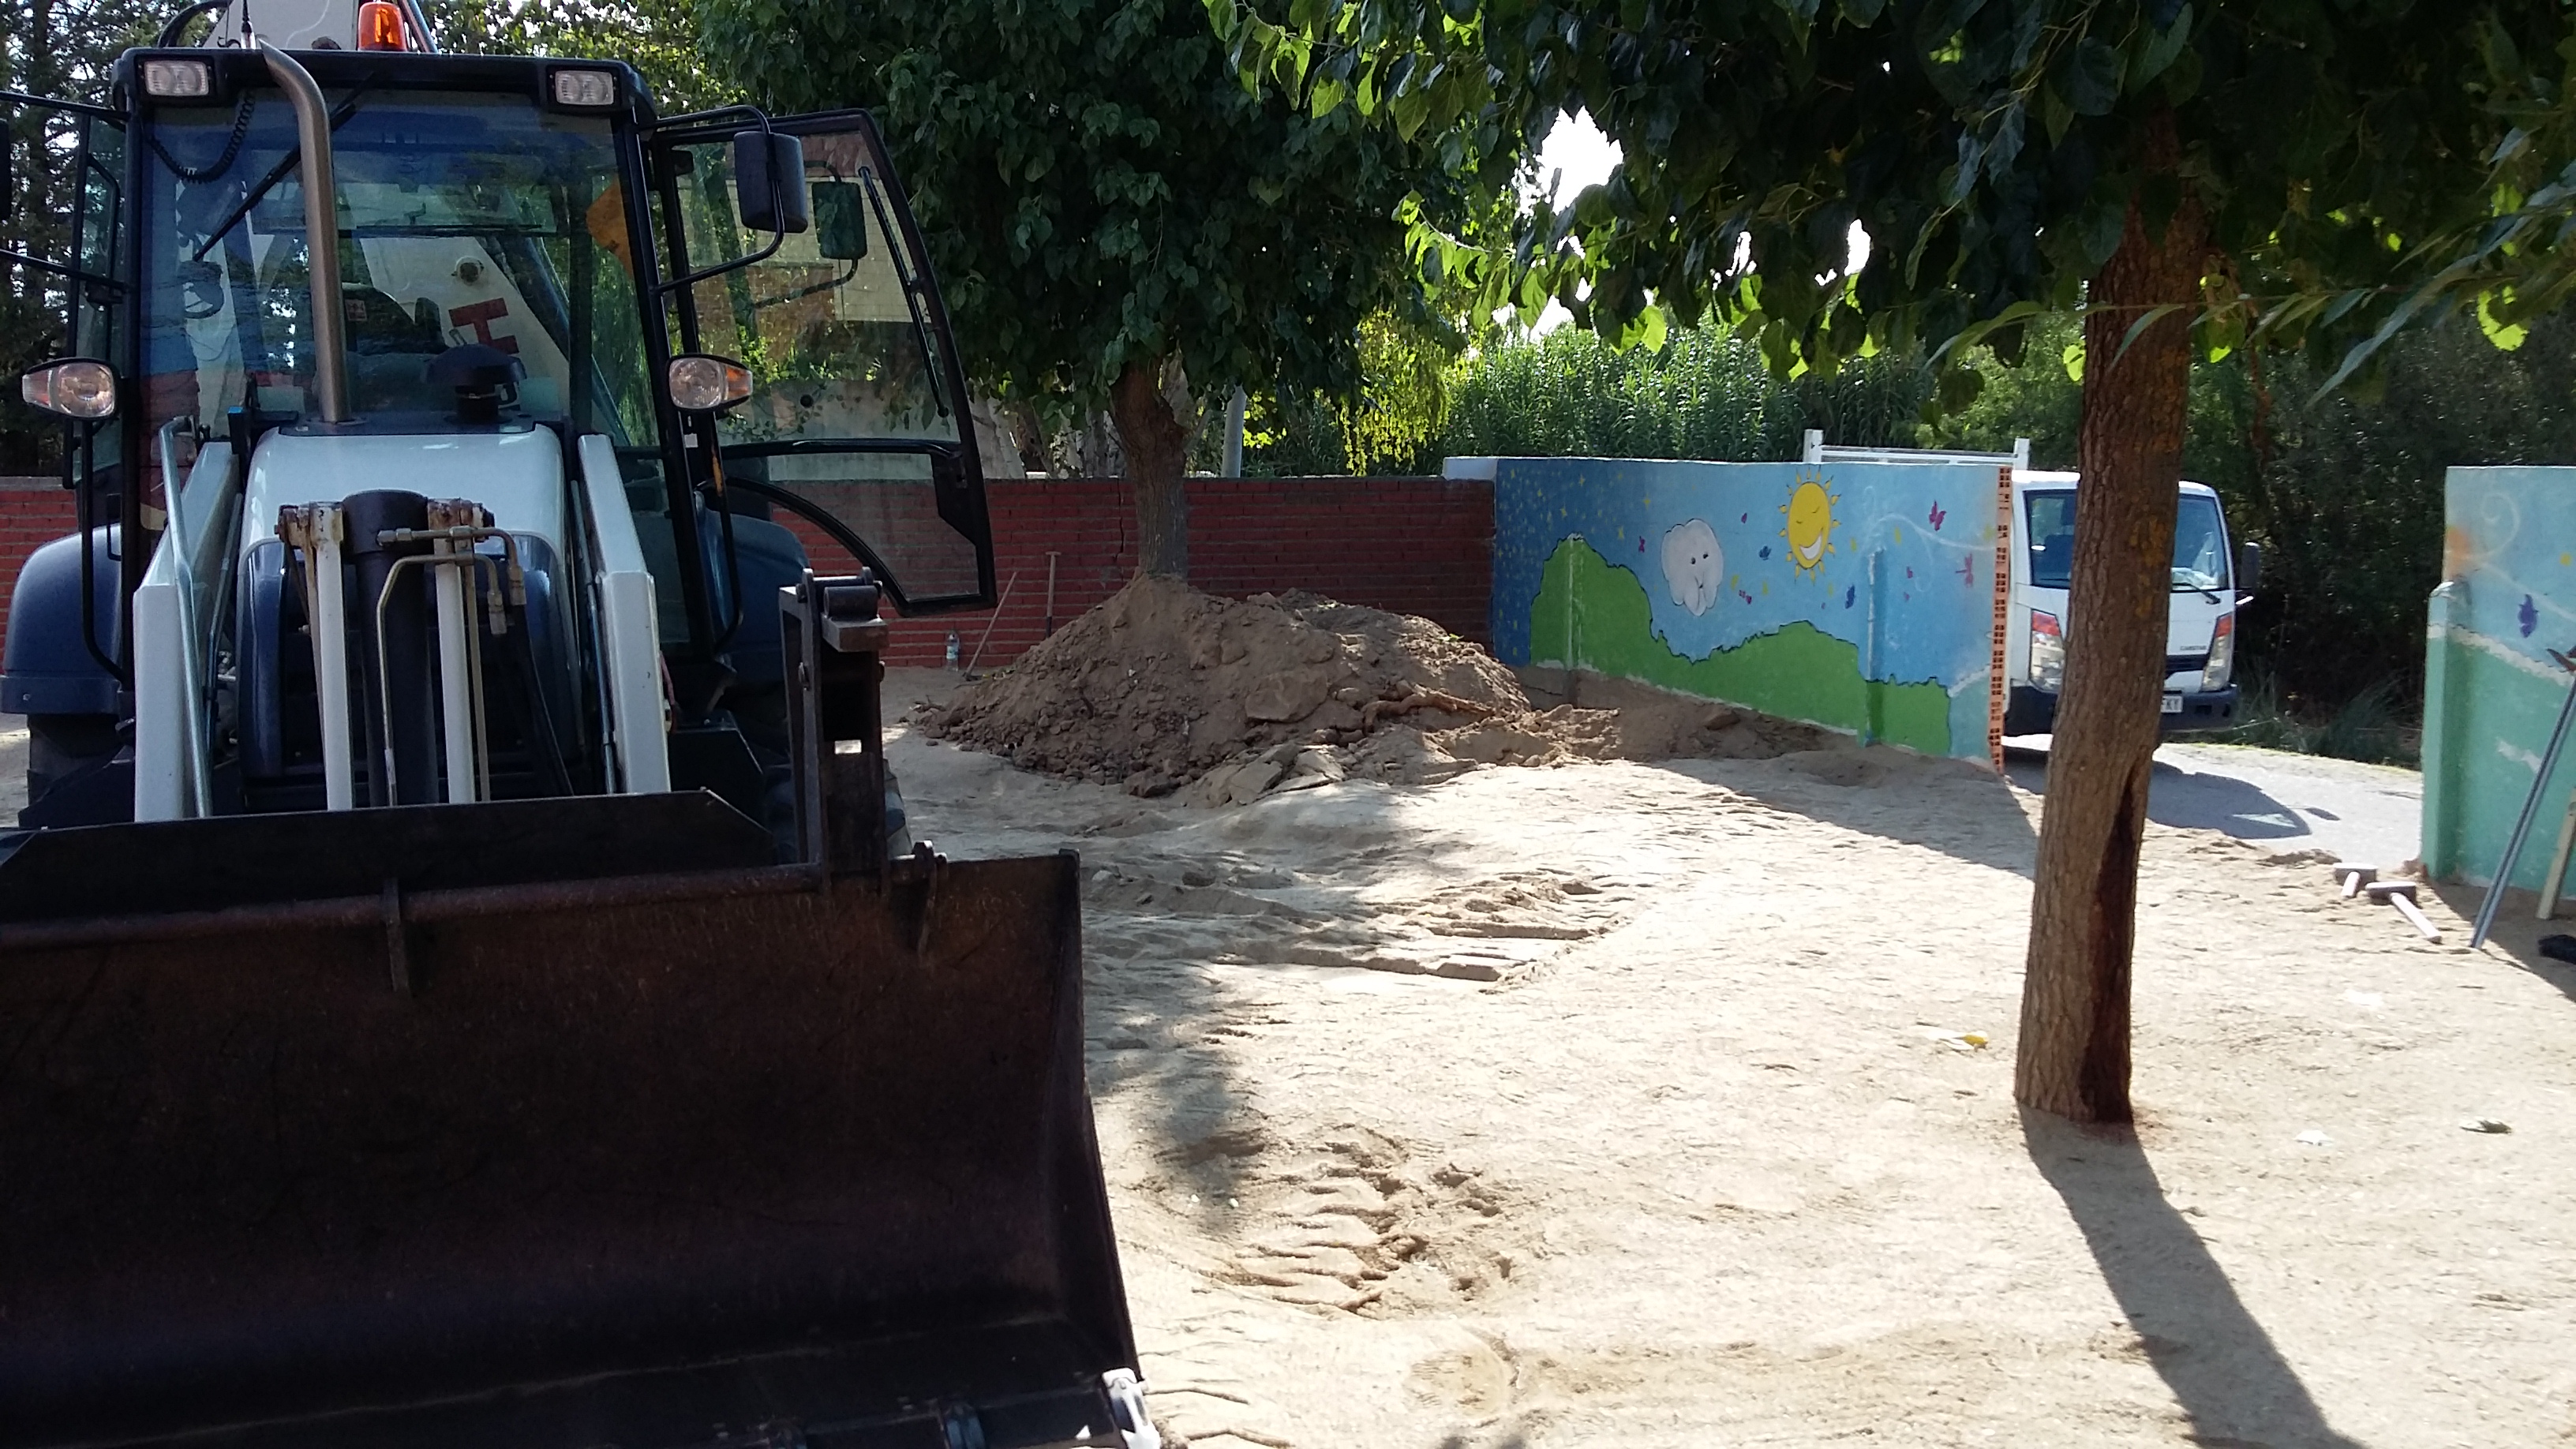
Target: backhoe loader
465 978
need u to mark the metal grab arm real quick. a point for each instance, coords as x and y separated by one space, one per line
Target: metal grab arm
832 640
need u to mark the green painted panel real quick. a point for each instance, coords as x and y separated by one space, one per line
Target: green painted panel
2472 796
1593 615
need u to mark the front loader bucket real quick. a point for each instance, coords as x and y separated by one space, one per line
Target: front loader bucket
668 1146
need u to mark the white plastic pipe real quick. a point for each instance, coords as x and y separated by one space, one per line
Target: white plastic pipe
455 685
330 632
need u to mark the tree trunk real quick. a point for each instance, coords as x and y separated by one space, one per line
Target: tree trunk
1157 444
2074 1056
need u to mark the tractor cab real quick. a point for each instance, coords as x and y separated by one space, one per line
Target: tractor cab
475 985
715 336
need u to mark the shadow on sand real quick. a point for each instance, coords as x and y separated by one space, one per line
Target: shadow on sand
2224 1370
2516 935
2187 799
1955 807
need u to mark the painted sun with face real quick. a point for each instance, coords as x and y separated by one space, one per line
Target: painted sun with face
1810 528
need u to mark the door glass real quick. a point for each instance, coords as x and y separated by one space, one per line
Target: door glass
2052 538
2200 546
93 331
849 407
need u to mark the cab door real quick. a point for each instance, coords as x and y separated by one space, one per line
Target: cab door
857 425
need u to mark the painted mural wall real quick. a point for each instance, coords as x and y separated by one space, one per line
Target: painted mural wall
2491 691
1856 596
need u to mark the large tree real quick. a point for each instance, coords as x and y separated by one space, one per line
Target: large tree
1116 222
657 37
2308 172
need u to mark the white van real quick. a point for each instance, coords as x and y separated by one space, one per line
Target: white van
2200 625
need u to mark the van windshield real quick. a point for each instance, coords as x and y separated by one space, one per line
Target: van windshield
2199 549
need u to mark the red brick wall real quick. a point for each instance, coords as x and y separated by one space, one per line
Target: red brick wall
1415 545
33 511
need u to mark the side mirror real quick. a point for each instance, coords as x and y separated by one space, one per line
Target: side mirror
703 383
2249 567
841 220
72 387
769 182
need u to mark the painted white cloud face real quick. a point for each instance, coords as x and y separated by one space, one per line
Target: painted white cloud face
1693 564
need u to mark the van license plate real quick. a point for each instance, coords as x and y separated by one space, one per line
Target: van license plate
2173 704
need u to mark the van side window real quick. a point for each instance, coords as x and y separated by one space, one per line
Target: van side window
2052 538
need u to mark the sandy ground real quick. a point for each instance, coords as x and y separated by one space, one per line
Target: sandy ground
2372 814
1644 1104
1635 1103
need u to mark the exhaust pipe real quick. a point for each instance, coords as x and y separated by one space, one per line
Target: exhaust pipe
321 228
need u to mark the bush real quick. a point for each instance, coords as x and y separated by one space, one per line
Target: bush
1704 395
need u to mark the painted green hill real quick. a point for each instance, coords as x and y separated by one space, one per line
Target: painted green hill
1592 614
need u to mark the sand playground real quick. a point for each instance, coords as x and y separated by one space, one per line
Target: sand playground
1659 1091
1478 1068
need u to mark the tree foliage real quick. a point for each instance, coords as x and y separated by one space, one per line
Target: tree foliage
2344 495
2355 162
657 37
1101 197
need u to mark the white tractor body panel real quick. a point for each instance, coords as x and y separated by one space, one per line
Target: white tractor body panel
189 576
631 638
518 477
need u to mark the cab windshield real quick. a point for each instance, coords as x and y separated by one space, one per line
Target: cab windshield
463 218
2199 549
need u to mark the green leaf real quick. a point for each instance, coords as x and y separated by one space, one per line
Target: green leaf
2073 359
2091 77
2055 112
2505 335
2146 319
2158 49
1650 329
1957 388
1409 110
2097 231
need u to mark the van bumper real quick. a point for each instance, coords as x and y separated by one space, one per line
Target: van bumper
2029 710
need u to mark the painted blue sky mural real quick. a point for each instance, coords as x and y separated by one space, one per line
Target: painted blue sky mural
1729 551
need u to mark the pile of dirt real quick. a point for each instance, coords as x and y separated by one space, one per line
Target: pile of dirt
1163 688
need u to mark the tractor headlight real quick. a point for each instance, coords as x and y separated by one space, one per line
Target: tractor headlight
178 80
74 387
589 89
2222 656
2047 651
704 384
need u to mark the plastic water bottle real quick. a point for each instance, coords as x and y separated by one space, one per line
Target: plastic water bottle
952 649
